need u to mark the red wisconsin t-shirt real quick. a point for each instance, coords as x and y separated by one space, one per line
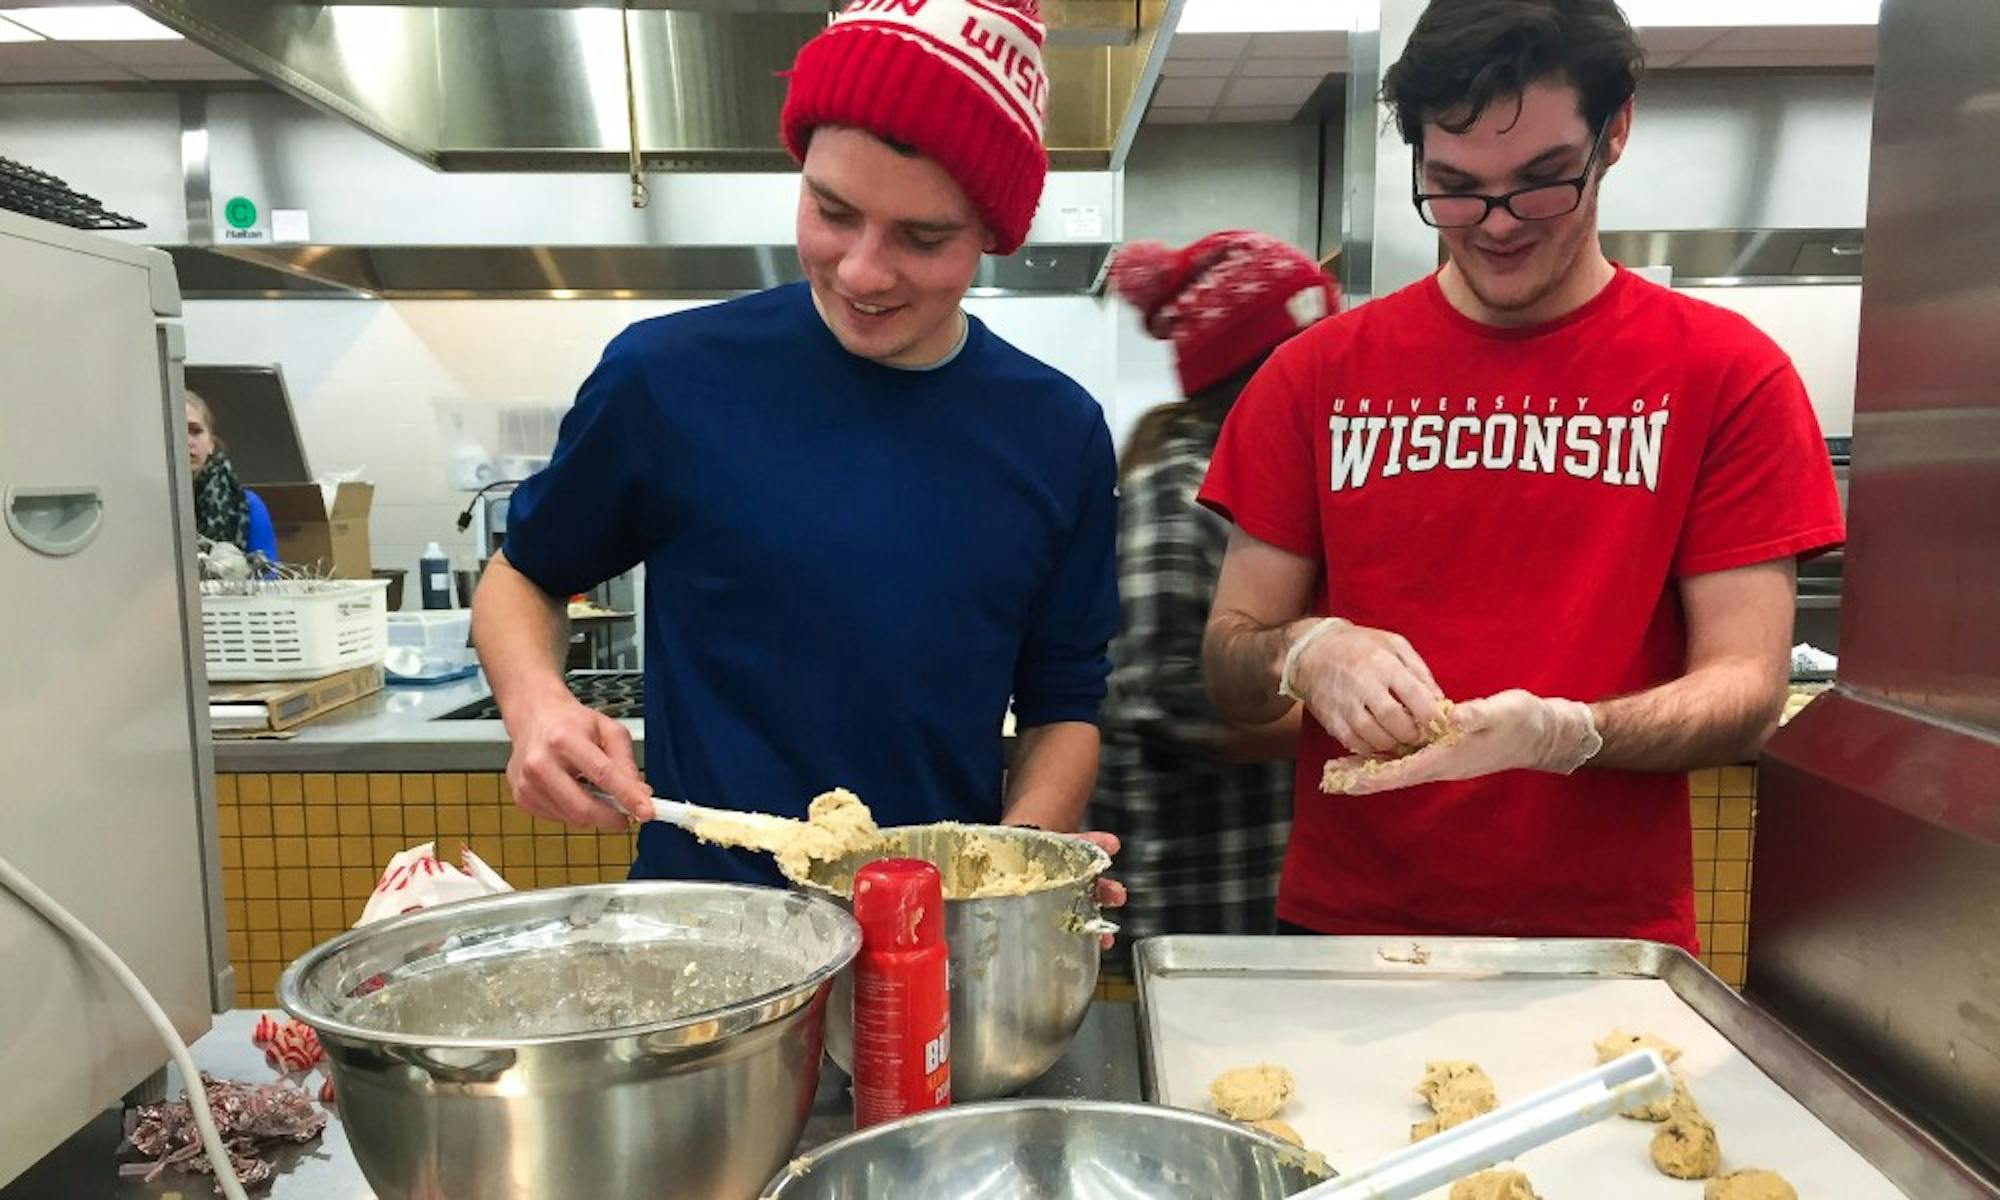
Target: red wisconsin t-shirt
1519 504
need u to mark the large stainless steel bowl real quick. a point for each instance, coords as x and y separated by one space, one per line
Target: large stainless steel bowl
1050 1150
624 1040
1023 968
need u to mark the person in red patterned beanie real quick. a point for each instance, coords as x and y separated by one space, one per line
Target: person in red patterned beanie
1225 302
870 526
1202 806
918 124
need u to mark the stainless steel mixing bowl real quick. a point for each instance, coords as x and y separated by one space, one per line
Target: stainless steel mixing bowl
623 1040
1050 1150
1023 968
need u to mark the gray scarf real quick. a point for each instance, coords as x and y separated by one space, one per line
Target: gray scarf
221 514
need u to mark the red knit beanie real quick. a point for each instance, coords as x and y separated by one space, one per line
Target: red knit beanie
959 80
1222 301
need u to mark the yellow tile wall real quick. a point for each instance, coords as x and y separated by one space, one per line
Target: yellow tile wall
1724 803
301 852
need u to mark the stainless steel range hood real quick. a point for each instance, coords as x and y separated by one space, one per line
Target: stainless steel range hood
472 85
563 272
363 220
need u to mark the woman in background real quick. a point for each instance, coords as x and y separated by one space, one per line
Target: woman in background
1203 807
224 510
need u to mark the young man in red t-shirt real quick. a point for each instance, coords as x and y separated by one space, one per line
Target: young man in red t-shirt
1534 483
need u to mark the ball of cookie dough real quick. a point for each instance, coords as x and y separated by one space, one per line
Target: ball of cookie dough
1457 1091
1494 1185
1278 1129
1251 1093
1454 1109
1677 1101
1445 1078
1749 1184
1685 1147
1618 1043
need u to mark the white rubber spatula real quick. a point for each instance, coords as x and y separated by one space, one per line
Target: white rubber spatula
760 831
1507 1132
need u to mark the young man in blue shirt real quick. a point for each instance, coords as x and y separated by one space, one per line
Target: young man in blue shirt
867 521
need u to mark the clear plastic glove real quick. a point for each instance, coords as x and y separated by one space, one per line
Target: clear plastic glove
560 746
1369 688
1509 731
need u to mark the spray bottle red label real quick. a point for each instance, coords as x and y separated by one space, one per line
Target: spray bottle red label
902 999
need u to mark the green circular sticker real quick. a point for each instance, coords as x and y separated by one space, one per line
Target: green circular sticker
240 212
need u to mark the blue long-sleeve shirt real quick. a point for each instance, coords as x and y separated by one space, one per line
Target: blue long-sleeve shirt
850 568
263 537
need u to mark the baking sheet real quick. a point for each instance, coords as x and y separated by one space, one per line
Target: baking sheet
1357 1047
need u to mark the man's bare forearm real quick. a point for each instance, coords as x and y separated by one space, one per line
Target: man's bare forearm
1054 770
521 633
1241 661
1712 716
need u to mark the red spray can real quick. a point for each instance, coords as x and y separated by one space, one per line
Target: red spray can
902 998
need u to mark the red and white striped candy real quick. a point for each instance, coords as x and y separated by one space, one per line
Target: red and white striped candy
296 1048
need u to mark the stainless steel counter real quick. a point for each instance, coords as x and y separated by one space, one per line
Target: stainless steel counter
397 729
1102 1063
393 730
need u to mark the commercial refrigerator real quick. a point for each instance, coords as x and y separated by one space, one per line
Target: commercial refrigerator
109 796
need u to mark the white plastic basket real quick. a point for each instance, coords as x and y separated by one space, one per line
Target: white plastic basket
294 629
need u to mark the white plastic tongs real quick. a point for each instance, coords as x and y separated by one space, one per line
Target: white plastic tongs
1505 1133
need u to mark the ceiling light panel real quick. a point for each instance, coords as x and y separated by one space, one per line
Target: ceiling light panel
89 23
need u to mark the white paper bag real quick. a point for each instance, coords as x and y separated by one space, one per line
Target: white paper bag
416 879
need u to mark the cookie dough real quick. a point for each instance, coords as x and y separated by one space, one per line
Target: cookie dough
1337 779
1448 1077
1494 1185
974 862
1278 1129
1618 1043
1456 1111
837 824
1685 1147
1457 1091
1251 1093
1312 1162
988 865
1679 1100
1749 1184
845 819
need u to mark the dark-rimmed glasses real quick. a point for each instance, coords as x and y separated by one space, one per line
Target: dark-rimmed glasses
1542 202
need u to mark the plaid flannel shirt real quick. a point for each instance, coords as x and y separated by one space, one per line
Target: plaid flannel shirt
1204 839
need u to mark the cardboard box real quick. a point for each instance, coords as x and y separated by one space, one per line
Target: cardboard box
233 707
329 538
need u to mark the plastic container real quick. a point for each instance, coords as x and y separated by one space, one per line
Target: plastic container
432 632
440 640
293 630
902 1002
